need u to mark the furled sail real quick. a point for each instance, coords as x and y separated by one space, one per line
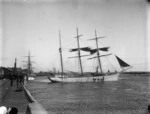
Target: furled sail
92 51
122 63
100 56
83 49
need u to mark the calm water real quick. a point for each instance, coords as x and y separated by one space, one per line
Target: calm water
129 95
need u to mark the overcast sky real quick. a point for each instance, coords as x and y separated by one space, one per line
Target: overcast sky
33 25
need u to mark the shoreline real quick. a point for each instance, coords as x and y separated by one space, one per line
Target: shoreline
130 72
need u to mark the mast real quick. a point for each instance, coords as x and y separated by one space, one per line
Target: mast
98 54
29 63
61 59
97 50
79 55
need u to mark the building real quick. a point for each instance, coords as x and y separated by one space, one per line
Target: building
4 72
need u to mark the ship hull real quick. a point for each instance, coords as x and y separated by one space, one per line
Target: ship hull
31 76
107 77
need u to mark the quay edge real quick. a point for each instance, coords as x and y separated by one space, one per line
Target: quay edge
33 106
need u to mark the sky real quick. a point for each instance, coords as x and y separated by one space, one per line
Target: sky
33 25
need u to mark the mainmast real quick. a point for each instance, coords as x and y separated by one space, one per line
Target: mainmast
79 55
61 59
98 54
86 49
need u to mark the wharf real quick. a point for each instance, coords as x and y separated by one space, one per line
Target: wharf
19 97
13 96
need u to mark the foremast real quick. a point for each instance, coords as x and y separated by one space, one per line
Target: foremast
61 59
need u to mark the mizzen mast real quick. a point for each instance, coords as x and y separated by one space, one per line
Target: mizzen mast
97 50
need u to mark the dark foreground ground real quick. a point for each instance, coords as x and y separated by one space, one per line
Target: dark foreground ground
12 96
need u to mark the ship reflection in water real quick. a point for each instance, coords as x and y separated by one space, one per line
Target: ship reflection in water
129 95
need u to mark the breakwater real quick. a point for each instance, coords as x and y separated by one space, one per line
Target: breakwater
136 73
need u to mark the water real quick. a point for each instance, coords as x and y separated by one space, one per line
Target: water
128 95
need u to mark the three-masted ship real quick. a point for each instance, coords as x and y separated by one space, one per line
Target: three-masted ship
92 77
30 73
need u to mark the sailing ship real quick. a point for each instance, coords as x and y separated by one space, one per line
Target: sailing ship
30 73
90 77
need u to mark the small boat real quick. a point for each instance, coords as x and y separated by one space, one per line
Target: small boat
89 77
